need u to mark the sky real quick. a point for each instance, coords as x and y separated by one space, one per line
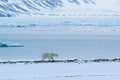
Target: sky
108 4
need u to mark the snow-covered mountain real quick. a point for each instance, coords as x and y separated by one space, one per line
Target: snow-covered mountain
15 7
10 8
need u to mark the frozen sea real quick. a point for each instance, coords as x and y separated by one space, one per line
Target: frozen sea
64 41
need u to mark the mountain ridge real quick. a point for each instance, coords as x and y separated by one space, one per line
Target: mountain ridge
9 8
13 8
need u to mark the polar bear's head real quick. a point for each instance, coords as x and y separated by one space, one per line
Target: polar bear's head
55 55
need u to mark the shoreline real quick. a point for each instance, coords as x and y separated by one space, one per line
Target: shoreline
62 61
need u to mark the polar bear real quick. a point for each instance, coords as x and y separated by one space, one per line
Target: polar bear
49 56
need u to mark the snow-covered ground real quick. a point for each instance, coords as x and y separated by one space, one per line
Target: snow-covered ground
61 71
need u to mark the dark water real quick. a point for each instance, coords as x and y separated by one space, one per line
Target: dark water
65 48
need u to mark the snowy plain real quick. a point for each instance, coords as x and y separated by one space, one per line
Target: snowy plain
61 71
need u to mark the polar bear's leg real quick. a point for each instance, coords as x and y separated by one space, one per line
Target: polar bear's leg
52 58
44 56
49 57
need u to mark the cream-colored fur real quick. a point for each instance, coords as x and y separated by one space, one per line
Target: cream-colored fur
49 56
